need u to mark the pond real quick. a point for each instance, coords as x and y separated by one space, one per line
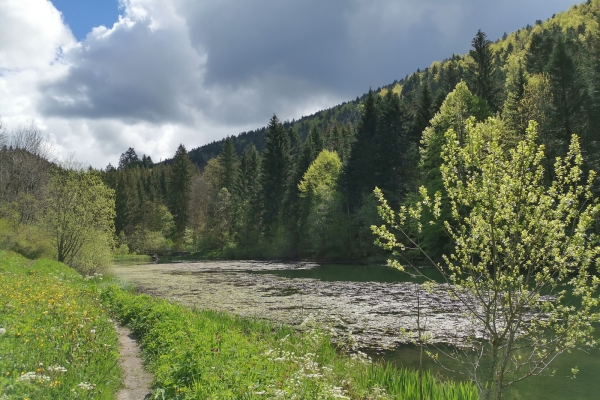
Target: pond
366 304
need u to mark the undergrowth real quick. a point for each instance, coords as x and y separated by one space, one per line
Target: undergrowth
211 355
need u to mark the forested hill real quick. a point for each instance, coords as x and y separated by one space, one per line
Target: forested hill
579 24
345 113
305 188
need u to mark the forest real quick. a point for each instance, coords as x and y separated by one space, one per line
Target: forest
303 189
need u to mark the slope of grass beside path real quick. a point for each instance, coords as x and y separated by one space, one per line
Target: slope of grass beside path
210 355
56 340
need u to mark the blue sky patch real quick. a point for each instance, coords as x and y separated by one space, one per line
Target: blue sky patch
83 15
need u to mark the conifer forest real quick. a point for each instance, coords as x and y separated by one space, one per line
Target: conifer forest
304 189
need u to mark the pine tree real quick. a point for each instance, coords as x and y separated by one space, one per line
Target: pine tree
129 159
567 93
359 172
511 112
276 168
179 190
228 160
424 112
484 75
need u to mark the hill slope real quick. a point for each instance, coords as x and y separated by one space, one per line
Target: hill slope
579 23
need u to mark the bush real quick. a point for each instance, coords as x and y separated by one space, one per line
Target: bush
95 256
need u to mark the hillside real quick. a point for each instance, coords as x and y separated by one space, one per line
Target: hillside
579 23
303 189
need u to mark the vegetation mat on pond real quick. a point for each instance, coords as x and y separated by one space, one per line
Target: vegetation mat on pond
211 355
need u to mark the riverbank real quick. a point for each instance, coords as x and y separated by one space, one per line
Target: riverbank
61 343
208 354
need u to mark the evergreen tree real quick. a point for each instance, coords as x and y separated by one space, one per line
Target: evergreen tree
511 112
395 151
228 160
483 72
129 159
424 112
359 172
276 168
537 56
567 93
179 190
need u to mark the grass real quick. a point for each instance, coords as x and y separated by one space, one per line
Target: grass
210 355
56 340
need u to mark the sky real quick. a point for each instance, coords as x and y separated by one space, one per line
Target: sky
100 76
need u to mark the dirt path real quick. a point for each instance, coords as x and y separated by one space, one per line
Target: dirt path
137 380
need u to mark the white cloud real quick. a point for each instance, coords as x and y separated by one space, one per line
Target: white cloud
32 34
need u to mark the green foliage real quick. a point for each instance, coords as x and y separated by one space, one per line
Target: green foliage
483 72
276 169
322 205
229 159
57 342
460 105
28 240
523 251
78 208
180 190
209 355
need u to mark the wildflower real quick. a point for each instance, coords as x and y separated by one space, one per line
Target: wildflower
32 377
57 368
86 386
93 331
2 331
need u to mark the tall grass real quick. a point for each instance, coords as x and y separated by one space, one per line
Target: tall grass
56 340
210 355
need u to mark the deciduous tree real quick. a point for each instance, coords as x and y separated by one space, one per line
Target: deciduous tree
524 263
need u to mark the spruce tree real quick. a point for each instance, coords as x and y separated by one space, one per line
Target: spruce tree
276 168
512 110
359 172
424 112
567 93
483 73
179 190
395 151
129 159
228 160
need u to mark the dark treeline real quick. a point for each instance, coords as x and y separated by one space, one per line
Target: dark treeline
303 189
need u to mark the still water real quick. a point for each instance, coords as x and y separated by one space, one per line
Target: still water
585 386
373 302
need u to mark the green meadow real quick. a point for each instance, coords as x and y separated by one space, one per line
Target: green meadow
56 339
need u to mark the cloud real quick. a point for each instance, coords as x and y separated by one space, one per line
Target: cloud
31 39
190 71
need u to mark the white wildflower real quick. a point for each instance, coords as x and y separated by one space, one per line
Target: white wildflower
56 368
2 331
86 386
32 377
